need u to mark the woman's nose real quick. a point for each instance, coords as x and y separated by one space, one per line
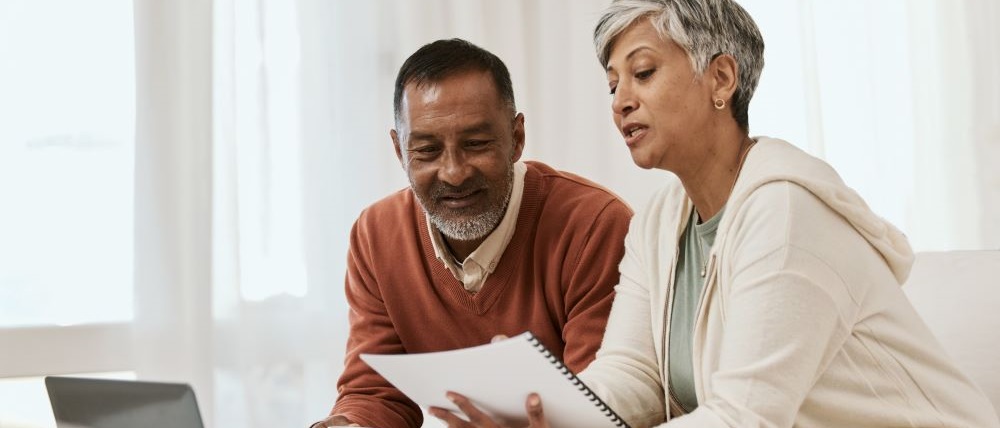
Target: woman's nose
623 102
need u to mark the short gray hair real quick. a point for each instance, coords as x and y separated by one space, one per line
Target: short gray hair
703 28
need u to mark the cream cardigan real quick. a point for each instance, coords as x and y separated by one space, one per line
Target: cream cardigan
802 321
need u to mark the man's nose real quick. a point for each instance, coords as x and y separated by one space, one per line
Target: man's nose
455 168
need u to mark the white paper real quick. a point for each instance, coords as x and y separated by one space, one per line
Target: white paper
497 377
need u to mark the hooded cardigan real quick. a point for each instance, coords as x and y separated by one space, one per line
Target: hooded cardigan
802 321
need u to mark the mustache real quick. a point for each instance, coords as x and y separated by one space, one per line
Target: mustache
441 189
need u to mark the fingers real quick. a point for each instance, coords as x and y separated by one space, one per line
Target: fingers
476 416
498 338
536 417
479 419
449 418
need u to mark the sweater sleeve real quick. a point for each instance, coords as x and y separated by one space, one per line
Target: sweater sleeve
592 275
626 372
785 307
365 397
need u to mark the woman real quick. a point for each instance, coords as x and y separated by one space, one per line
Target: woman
756 289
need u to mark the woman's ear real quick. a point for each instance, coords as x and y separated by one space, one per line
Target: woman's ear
724 73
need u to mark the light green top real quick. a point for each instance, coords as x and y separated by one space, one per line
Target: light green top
688 284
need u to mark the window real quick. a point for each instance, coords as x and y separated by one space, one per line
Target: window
67 81
67 103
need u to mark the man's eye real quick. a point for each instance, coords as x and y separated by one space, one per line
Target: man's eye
612 92
425 149
477 143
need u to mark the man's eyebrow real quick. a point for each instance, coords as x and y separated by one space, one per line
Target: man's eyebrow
484 126
417 135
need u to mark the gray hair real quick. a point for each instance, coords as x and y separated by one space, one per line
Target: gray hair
703 28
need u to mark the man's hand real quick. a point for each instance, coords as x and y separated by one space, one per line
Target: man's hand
334 421
478 419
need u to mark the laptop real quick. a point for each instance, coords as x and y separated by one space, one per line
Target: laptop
104 403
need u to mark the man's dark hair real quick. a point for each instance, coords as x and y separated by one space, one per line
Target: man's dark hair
444 58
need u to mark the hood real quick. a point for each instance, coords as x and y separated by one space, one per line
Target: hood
776 160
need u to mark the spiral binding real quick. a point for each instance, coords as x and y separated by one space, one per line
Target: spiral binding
601 405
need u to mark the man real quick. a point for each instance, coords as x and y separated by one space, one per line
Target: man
480 244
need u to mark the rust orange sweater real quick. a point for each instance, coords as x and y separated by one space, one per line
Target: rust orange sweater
555 278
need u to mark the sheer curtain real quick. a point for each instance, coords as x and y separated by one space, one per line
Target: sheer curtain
173 326
894 95
262 131
956 58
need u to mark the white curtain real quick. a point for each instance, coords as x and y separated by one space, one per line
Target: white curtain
956 61
173 326
263 131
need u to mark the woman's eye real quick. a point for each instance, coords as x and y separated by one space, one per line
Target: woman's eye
643 75
612 91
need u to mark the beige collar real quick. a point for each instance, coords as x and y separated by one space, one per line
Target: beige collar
474 270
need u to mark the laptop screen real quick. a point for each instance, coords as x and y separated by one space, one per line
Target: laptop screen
104 403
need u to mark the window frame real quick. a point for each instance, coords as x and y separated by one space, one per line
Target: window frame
51 350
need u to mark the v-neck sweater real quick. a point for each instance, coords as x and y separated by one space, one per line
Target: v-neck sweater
555 278
477 267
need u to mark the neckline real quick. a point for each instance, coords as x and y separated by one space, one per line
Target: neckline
498 281
739 167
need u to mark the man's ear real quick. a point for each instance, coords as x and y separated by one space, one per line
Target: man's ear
518 137
724 72
395 144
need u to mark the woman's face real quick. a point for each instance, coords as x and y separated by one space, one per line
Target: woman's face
659 105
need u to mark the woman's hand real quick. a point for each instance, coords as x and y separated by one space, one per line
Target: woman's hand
478 419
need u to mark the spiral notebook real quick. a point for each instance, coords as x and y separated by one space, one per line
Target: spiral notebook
498 378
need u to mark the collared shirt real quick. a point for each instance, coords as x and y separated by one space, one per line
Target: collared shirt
480 264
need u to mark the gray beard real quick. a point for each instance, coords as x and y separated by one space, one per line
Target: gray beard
479 226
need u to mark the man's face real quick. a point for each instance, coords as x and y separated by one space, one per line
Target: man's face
458 141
